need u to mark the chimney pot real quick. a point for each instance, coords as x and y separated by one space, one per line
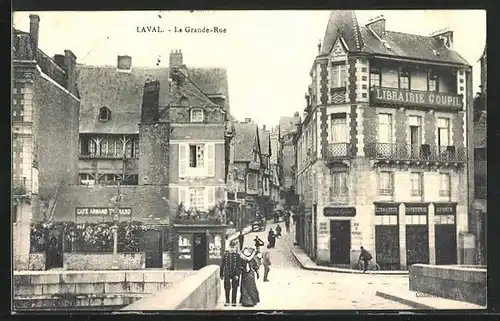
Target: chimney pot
176 58
124 62
34 26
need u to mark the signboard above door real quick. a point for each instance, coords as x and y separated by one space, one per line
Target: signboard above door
102 211
339 211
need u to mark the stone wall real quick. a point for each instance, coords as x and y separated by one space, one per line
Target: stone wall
34 290
199 291
37 262
103 261
459 283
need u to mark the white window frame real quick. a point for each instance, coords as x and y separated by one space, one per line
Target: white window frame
389 124
390 190
443 123
192 117
415 192
200 199
447 185
338 76
339 189
254 178
338 121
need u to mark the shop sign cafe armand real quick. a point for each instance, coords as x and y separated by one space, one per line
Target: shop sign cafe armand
102 211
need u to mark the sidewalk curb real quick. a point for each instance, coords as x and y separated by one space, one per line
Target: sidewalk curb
339 270
410 303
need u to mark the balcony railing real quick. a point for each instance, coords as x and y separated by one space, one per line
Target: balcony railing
338 151
404 152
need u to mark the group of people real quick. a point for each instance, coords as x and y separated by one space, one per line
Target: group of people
241 269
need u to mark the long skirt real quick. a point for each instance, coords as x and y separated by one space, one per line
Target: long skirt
249 293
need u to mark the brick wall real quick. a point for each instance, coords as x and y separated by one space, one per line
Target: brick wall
154 150
144 201
56 139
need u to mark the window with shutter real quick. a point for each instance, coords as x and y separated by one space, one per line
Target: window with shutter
182 160
211 160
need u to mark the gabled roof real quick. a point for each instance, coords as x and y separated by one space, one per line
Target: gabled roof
188 90
410 46
122 93
243 141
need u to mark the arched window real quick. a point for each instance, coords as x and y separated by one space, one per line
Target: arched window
104 114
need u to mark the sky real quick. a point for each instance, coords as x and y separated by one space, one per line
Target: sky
267 54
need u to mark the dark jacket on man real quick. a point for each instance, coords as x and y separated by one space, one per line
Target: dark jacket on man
230 272
258 242
241 239
365 255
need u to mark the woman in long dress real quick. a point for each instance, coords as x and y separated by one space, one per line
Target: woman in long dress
249 293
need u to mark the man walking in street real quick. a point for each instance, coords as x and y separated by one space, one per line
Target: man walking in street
230 272
271 238
287 222
365 256
241 239
258 242
266 261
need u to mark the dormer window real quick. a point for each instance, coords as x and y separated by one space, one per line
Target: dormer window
104 114
197 115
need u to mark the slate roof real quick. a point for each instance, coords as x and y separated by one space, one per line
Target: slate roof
480 134
345 24
359 38
122 93
243 141
189 89
410 46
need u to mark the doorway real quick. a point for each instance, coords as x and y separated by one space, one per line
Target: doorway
387 246
415 141
446 244
340 242
153 249
54 255
199 251
417 244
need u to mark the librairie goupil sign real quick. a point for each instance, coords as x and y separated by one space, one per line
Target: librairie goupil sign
102 211
423 98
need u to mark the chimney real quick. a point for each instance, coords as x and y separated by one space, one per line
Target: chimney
150 102
176 59
444 36
70 68
34 24
59 60
124 62
248 120
377 25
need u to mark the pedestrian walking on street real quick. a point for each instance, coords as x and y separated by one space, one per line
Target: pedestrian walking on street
249 293
258 242
278 230
266 261
230 272
365 256
271 237
241 239
287 223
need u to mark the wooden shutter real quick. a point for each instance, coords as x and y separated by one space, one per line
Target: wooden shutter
183 160
210 159
210 196
183 197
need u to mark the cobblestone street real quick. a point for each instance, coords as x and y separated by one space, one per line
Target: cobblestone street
291 287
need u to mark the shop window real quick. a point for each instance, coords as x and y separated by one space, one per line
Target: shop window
215 246
416 219
184 246
444 219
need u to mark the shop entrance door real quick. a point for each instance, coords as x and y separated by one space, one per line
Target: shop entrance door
446 244
54 254
340 242
387 246
199 251
417 244
153 249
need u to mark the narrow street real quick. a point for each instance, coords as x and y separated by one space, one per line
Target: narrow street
291 287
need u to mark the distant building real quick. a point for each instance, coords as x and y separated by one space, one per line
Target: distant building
45 112
381 151
478 212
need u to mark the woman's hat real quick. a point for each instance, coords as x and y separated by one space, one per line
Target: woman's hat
248 252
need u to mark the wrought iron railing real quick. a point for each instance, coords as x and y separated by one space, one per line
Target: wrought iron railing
387 151
338 151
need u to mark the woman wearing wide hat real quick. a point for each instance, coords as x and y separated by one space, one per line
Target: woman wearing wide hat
250 270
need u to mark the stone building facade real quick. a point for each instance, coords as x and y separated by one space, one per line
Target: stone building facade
45 112
381 152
